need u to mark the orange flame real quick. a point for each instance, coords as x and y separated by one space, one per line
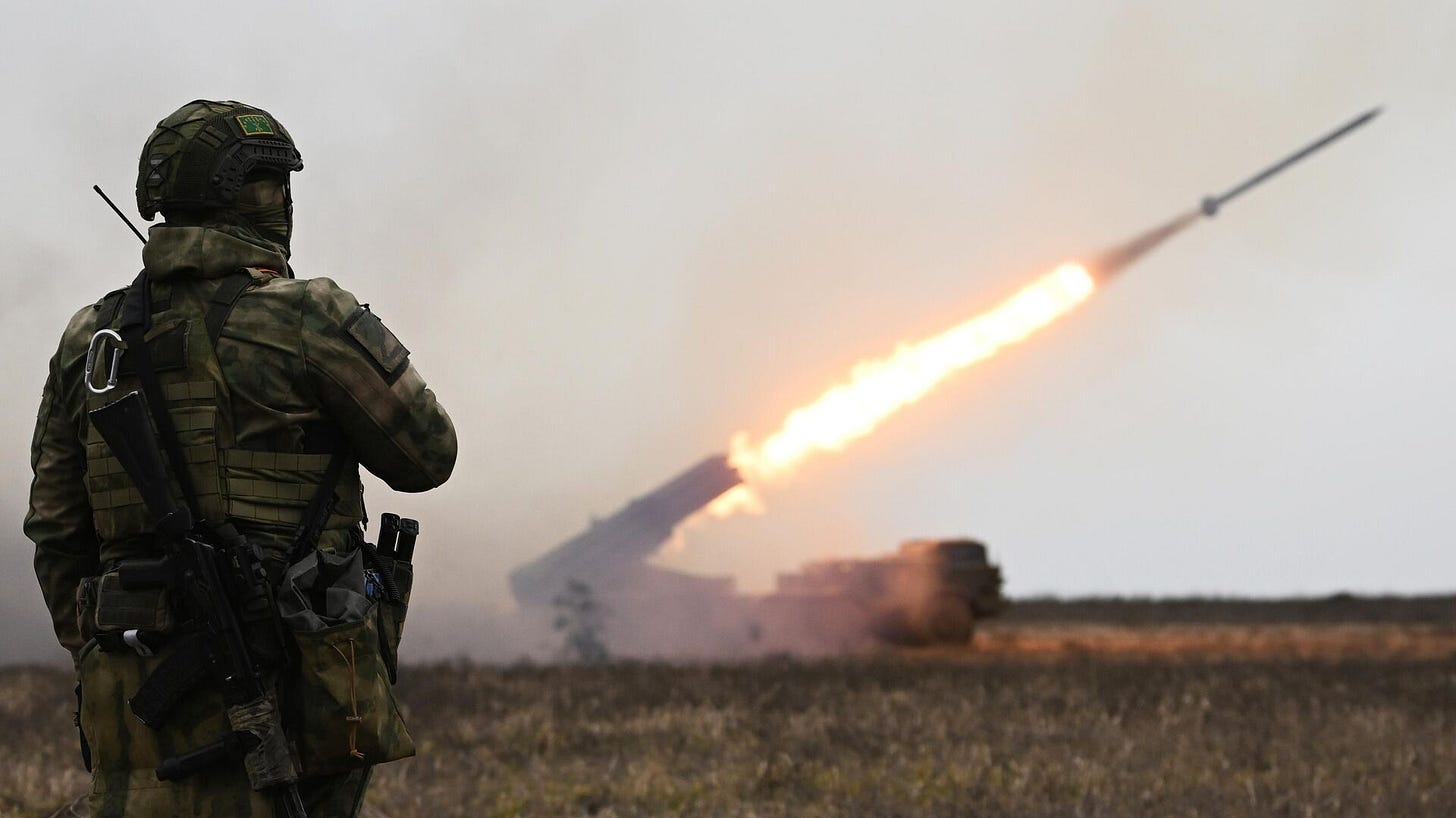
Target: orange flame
878 388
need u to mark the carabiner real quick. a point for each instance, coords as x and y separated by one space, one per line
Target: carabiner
98 343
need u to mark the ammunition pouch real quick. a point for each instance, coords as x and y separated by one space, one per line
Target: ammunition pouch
342 708
105 611
120 609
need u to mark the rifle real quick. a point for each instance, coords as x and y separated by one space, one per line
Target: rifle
219 578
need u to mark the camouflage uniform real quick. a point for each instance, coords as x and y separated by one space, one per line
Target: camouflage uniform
293 356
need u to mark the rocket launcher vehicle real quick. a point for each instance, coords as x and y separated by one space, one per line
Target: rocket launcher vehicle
611 554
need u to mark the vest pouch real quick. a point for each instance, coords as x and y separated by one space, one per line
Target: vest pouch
120 609
343 711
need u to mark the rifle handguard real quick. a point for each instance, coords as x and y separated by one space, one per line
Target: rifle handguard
270 761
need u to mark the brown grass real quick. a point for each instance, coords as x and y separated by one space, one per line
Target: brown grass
1284 641
39 765
1063 733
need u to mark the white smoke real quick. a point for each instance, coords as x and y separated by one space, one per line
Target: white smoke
613 234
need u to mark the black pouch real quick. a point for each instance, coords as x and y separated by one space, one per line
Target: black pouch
345 715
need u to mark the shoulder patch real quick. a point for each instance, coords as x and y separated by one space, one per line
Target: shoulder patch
375 338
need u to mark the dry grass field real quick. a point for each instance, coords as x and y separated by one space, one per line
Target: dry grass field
1042 719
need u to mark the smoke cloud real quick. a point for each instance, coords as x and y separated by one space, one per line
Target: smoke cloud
614 234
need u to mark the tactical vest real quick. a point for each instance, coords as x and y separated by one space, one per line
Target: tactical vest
339 709
263 492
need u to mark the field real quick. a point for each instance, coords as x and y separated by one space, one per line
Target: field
1256 716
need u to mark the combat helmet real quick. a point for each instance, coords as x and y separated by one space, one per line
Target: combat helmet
198 158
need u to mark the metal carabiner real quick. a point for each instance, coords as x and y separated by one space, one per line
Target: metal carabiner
98 343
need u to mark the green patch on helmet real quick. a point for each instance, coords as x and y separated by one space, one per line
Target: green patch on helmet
196 160
255 125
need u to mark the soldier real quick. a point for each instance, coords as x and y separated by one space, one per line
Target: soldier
275 385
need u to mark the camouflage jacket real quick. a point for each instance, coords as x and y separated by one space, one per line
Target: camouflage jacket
288 359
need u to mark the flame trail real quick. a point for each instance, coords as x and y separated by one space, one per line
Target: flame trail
878 388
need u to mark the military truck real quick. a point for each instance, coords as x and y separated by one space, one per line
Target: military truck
930 592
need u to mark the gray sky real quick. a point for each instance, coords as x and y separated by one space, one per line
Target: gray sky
615 234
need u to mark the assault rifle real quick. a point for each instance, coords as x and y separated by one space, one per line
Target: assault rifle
219 579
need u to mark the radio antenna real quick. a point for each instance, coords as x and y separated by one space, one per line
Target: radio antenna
117 211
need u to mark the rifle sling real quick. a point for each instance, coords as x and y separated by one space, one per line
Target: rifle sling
320 507
136 319
220 306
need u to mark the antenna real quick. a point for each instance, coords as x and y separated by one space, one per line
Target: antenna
117 211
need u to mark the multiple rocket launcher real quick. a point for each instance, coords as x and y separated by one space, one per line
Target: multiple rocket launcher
611 554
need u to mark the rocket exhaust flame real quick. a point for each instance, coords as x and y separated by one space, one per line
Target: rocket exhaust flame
876 389
1119 258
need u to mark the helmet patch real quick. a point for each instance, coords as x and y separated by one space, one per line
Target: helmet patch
255 125
199 157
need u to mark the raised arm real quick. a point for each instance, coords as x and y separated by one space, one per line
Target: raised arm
366 382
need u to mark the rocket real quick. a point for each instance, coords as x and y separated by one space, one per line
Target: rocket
1118 258
613 553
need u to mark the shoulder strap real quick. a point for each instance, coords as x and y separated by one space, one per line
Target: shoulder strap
136 318
224 298
108 308
320 507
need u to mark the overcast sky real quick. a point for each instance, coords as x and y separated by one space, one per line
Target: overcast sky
615 234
